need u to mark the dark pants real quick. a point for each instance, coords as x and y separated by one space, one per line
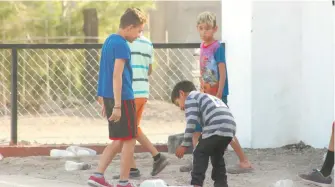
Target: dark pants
213 148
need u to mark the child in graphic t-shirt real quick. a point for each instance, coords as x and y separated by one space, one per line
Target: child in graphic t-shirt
214 81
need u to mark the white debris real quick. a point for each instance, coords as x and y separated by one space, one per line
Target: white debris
72 166
284 183
154 183
72 151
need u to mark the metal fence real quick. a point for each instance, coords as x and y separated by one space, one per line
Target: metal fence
47 92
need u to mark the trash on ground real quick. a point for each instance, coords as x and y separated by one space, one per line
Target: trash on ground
154 183
73 166
284 183
73 151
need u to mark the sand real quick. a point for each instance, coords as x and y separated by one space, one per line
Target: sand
270 165
85 125
160 119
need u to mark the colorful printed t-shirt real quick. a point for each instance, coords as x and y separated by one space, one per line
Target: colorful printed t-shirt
210 57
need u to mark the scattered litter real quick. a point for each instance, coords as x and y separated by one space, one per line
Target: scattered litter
1 157
61 153
284 183
73 151
81 151
154 183
72 166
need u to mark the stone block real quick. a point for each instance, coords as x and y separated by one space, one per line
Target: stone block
174 142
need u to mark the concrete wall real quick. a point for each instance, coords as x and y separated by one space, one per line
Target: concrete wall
280 59
175 22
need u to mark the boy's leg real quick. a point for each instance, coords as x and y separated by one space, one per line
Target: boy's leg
244 165
117 131
328 163
322 177
160 161
98 179
219 175
126 155
139 106
201 155
244 162
108 154
126 130
188 167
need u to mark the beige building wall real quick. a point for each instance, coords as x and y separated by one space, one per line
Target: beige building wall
175 22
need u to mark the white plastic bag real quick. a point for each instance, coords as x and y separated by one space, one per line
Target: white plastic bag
81 151
153 183
61 153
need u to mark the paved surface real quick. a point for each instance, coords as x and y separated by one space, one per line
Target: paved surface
26 181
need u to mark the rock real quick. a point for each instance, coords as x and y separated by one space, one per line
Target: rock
174 141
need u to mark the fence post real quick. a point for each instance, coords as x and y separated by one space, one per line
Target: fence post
14 97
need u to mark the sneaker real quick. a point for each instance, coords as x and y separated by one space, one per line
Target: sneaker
128 185
316 178
186 168
132 175
98 182
159 165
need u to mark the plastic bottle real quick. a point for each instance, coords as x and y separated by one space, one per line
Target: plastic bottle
61 153
72 166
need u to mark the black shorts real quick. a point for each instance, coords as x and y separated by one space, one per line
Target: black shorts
125 128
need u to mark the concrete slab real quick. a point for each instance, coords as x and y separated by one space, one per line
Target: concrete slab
26 181
174 142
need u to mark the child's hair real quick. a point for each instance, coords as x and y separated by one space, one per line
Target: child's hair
208 18
185 86
132 16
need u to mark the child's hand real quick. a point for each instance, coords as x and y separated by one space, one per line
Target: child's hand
116 115
180 151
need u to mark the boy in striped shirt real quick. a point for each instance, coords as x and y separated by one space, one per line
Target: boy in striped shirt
218 126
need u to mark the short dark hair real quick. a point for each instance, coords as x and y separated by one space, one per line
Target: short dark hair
132 16
185 86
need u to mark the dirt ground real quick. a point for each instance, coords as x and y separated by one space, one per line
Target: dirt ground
270 165
86 126
159 121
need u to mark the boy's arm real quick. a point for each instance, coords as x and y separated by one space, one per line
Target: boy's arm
192 118
221 61
151 61
222 73
122 54
150 69
100 100
117 81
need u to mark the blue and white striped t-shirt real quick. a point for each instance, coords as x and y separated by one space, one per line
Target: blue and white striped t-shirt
209 111
141 57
